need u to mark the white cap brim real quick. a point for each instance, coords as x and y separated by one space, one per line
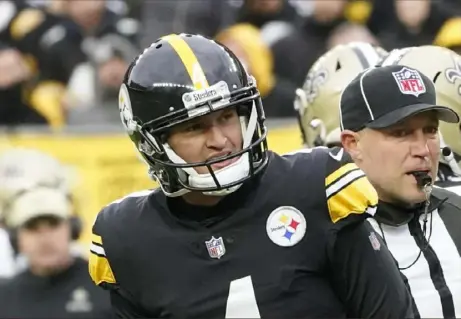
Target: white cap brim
36 203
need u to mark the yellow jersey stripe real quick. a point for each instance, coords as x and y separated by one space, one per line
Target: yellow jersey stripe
343 181
355 198
96 239
190 61
339 172
100 271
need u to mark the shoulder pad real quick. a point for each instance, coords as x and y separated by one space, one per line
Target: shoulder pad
99 266
349 192
134 195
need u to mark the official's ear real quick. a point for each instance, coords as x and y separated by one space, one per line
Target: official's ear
350 141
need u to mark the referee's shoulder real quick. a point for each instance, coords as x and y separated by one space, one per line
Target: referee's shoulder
445 198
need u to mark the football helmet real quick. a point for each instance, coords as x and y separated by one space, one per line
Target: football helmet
181 77
317 103
443 66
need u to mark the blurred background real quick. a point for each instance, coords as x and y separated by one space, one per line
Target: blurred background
62 61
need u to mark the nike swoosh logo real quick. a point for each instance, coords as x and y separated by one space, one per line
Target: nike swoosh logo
338 156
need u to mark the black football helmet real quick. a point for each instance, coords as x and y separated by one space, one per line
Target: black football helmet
181 77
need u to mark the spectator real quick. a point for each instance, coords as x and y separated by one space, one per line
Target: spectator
260 12
246 41
449 35
350 32
55 284
110 42
413 23
205 17
38 54
20 170
309 40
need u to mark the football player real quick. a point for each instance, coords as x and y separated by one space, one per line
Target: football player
445 70
316 103
234 230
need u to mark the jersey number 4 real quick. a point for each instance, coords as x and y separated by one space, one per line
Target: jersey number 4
241 302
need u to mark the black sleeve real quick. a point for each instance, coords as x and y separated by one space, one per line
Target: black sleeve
123 308
366 275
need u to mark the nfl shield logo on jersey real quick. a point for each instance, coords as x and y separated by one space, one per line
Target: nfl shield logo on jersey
409 82
215 247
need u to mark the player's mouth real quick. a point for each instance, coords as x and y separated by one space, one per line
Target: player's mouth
224 163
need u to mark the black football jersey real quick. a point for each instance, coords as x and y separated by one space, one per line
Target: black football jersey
291 243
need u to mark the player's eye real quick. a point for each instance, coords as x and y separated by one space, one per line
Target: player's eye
228 115
193 127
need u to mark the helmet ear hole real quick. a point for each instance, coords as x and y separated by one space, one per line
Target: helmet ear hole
338 66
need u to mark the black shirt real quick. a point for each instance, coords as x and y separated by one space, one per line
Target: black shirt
69 294
290 244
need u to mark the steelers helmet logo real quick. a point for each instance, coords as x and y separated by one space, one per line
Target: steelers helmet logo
126 113
286 226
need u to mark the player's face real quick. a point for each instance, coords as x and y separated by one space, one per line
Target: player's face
390 155
45 242
207 137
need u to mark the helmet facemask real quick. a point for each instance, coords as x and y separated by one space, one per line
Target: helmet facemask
178 177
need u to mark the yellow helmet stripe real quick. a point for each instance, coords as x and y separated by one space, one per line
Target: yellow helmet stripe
189 60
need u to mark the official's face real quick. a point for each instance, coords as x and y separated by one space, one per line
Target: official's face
45 241
389 155
207 137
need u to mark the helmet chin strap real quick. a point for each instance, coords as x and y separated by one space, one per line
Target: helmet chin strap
226 175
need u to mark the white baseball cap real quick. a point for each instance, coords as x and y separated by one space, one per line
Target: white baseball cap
36 203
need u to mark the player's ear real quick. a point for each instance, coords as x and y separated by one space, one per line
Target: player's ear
350 143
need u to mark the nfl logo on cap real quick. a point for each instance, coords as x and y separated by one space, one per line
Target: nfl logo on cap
409 82
215 247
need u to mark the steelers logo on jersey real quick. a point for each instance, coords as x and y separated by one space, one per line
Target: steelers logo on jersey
286 226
